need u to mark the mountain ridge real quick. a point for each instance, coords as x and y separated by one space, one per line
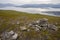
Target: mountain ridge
32 5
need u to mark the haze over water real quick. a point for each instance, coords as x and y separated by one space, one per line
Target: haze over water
33 10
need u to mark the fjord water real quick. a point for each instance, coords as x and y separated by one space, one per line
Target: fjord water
45 11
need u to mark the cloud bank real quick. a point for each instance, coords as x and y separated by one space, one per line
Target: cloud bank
30 1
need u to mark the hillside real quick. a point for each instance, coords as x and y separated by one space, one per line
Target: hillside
9 18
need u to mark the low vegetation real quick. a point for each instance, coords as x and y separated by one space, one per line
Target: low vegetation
13 20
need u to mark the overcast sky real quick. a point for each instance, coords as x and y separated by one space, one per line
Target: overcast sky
30 1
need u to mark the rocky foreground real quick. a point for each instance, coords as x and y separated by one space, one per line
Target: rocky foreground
40 29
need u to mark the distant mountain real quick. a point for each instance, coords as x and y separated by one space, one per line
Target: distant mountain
40 6
6 5
31 5
34 6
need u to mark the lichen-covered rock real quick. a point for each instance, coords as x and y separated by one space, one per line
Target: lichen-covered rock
52 27
9 35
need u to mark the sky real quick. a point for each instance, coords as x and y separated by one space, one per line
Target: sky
30 1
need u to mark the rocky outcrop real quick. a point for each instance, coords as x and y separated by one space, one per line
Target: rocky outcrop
30 31
43 24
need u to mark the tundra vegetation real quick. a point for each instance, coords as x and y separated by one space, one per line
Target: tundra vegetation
16 25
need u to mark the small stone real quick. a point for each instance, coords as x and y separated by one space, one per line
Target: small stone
36 29
23 28
15 36
11 32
